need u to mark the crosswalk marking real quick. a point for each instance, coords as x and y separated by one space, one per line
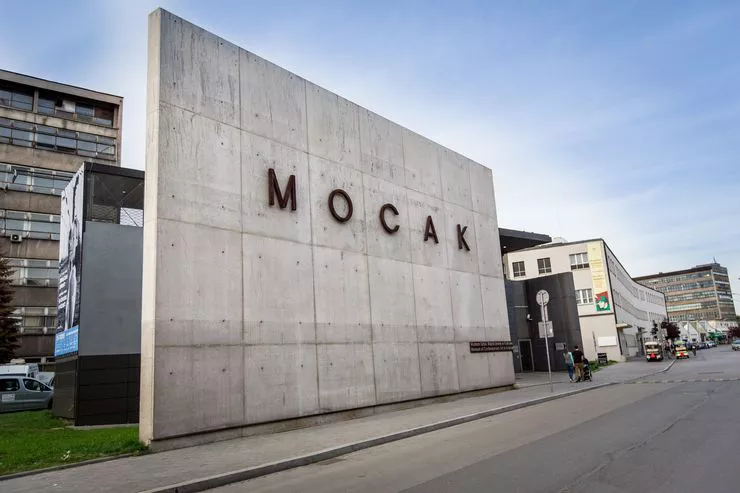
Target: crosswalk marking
688 380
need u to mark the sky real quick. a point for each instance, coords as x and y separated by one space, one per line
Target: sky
599 119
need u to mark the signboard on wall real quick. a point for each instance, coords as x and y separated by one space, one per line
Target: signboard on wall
70 267
598 276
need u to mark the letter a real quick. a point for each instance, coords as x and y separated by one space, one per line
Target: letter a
429 231
274 189
461 238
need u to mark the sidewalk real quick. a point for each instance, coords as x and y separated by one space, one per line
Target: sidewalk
263 454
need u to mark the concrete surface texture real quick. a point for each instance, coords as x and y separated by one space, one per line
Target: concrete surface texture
255 312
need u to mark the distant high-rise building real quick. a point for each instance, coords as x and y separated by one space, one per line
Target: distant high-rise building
47 131
700 293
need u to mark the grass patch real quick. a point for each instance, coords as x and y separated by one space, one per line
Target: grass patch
36 439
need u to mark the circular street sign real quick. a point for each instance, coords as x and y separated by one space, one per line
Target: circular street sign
543 297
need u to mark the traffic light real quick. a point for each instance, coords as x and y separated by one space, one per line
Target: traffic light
654 330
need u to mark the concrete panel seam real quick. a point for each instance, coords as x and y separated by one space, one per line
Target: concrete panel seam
369 290
241 237
313 253
223 479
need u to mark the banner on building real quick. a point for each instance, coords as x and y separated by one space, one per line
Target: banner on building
598 276
70 266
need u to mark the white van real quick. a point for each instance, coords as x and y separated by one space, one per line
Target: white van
30 370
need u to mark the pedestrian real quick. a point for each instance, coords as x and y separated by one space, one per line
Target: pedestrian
568 358
578 362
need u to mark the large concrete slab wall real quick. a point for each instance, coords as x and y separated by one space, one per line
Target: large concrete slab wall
254 313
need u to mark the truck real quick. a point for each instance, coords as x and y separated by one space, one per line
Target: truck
30 370
653 351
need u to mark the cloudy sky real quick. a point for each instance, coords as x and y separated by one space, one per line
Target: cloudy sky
618 120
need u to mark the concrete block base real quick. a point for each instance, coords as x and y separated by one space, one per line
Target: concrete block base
192 440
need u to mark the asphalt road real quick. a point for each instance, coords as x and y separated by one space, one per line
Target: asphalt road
674 437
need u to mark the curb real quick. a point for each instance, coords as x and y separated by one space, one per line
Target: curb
223 479
664 370
33 472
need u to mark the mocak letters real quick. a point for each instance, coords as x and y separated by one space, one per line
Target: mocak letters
387 211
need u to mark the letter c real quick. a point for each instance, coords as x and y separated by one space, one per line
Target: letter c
387 228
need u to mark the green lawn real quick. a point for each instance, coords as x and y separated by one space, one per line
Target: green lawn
36 439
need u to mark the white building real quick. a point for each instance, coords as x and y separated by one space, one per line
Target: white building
616 313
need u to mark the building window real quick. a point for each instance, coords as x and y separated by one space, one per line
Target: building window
543 265
16 99
36 180
56 139
518 269
36 319
29 225
579 261
584 296
32 272
84 112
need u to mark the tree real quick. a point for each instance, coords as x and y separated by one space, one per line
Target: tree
733 333
8 322
671 329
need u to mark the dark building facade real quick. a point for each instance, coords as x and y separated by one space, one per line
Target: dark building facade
524 314
700 293
98 339
47 130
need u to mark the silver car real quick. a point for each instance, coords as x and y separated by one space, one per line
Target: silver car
18 393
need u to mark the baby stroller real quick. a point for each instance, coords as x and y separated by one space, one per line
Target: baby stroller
586 370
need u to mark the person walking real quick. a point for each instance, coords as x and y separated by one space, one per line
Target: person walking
568 358
577 355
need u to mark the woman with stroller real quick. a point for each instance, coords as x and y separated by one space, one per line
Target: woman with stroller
578 362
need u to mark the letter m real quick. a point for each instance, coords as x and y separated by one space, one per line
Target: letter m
274 189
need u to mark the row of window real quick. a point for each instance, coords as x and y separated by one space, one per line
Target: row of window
32 272
26 134
721 278
692 306
36 319
36 180
625 304
65 108
584 296
16 99
29 224
54 106
698 295
688 286
685 317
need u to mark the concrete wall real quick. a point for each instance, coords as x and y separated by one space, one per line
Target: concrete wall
110 311
254 313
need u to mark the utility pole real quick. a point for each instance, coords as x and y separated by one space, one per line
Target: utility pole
543 298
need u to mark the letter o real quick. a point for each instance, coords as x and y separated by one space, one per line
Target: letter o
392 208
334 212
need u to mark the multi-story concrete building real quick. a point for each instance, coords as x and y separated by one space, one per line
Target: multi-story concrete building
47 130
615 313
700 293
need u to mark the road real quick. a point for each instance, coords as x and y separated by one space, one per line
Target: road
679 436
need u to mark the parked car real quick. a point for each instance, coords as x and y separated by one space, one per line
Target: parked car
19 393
736 345
681 352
